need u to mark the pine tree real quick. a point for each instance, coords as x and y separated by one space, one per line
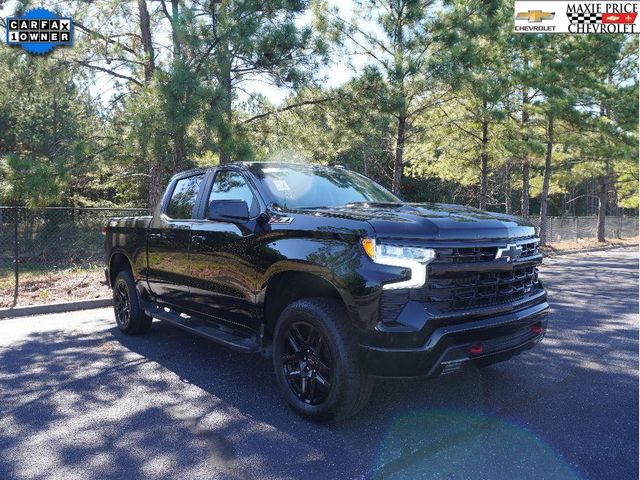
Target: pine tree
401 40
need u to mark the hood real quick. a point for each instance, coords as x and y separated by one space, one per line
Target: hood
435 221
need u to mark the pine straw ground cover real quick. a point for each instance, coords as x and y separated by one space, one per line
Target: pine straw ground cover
39 286
587 244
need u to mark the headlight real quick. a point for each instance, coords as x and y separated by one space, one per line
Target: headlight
414 258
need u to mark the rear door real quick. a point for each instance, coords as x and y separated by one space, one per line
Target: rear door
223 267
168 242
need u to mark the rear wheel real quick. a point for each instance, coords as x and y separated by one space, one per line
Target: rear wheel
316 360
130 316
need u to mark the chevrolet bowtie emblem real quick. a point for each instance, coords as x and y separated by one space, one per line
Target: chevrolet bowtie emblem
535 16
510 252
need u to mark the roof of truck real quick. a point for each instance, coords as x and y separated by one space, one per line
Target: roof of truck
252 165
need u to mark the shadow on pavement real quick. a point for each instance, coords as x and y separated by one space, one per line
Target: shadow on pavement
94 403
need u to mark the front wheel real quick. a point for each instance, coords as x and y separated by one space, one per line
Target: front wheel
316 360
130 317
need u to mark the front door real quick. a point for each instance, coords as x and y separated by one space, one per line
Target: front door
168 243
223 275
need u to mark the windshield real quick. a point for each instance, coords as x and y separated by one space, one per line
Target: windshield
316 187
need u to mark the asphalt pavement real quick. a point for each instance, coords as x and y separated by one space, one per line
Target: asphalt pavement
80 400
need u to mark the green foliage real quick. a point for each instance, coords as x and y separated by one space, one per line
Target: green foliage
49 131
437 96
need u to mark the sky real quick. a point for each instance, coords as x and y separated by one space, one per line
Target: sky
336 73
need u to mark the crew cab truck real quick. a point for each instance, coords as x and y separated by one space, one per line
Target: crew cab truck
330 275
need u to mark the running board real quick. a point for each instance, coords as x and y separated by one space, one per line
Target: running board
206 330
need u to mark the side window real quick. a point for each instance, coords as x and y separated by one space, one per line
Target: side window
184 196
230 185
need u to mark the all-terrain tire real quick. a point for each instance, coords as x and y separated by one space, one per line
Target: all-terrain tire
130 316
350 385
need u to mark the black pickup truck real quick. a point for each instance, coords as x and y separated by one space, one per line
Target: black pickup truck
329 274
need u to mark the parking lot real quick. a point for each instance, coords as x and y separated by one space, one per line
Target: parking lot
80 400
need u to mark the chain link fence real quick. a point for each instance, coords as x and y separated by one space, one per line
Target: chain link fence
39 246
48 253
560 229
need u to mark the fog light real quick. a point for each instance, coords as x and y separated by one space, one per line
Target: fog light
476 349
537 329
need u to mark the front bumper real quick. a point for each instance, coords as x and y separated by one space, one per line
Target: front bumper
450 347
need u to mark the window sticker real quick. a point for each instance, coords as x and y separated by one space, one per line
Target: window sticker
281 185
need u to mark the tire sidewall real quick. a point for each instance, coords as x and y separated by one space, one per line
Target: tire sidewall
135 313
318 318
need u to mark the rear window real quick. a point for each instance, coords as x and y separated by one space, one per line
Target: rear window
183 198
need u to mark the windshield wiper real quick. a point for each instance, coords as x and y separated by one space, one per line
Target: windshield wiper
372 204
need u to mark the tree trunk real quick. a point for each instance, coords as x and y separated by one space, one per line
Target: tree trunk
507 188
545 181
603 191
178 150
365 163
524 200
484 165
155 171
386 168
398 162
175 27
225 128
221 104
154 168
178 135
147 45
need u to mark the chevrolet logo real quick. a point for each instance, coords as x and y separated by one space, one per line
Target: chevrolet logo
535 16
510 252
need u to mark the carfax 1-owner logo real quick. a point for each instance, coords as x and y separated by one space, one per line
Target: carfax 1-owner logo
576 17
39 31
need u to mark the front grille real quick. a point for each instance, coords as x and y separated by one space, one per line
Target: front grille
529 249
452 287
467 254
462 290
481 253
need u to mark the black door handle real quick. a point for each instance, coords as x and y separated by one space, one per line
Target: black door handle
155 236
198 238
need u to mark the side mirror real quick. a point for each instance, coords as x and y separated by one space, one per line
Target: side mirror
233 211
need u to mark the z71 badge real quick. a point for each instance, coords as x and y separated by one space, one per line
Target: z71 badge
280 220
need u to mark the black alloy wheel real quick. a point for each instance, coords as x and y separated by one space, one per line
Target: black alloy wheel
306 362
127 305
316 361
122 304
